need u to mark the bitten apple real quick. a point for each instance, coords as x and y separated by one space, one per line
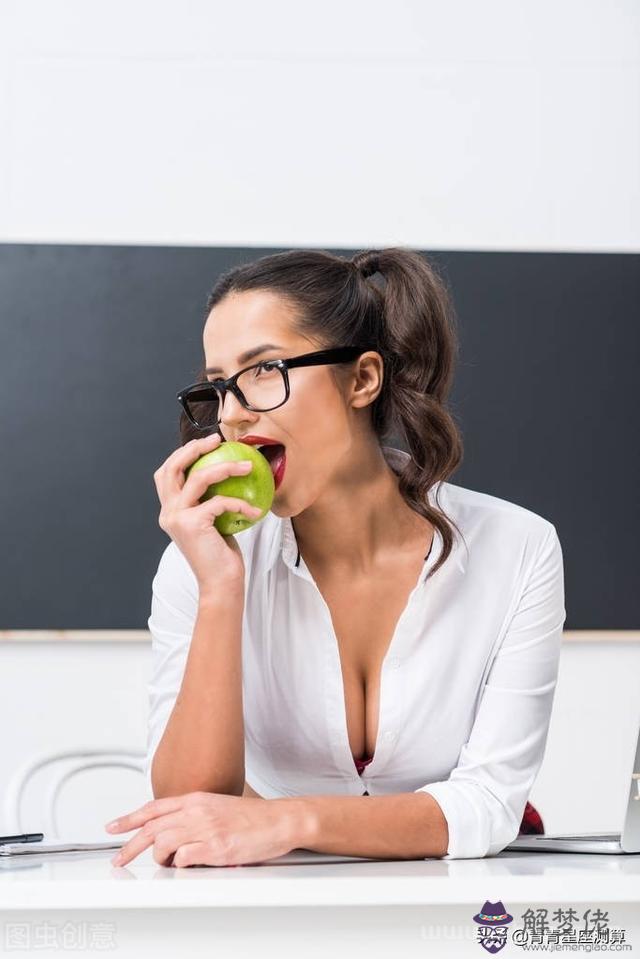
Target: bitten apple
257 487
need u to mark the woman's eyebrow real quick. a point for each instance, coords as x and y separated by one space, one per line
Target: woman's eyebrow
249 355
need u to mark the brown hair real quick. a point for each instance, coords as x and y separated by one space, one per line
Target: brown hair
409 320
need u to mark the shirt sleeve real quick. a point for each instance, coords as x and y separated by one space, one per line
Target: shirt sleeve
174 609
483 799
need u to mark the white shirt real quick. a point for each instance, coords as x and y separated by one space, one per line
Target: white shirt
466 686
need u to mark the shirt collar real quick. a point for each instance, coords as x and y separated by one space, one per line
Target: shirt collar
284 541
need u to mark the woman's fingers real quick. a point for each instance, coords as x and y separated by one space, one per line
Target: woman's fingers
226 504
141 841
191 854
151 809
200 480
157 833
166 845
169 477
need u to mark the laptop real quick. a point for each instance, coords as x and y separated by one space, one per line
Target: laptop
611 843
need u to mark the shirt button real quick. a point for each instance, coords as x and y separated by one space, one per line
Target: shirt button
394 662
389 735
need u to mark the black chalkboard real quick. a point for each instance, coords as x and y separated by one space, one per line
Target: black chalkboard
95 341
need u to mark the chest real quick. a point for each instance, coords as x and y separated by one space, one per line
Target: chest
364 615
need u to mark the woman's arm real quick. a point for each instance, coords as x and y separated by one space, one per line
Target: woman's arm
202 747
486 793
401 826
205 829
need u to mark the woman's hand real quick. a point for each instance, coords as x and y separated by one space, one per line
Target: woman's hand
211 829
215 559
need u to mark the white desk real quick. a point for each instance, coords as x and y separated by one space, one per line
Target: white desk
369 909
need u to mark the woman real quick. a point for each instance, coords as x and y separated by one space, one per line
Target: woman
378 655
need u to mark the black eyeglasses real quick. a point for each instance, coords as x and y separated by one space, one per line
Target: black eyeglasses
254 386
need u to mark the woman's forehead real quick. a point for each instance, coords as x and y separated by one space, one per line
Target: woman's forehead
252 306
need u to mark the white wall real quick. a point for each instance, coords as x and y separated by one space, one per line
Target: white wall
505 124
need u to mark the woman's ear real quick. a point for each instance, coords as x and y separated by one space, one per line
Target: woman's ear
367 379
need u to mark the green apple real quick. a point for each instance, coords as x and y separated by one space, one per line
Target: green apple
257 487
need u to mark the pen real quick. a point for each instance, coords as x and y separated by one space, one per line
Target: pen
23 837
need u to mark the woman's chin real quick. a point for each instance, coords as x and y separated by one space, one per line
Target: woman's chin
277 508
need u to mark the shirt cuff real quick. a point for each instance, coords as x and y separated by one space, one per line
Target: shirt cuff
478 824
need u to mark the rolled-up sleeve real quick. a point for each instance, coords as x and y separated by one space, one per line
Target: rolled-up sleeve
483 799
174 607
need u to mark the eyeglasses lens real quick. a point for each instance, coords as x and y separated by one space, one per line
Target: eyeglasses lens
262 388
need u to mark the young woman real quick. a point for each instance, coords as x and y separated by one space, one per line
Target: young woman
368 670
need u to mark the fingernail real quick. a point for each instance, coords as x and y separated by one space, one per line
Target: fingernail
117 860
113 825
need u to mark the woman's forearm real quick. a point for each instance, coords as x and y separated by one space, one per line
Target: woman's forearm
401 826
202 747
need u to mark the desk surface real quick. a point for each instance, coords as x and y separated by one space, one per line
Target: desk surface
87 880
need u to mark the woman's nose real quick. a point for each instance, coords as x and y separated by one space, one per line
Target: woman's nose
232 412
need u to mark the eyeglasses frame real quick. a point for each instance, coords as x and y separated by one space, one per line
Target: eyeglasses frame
339 354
